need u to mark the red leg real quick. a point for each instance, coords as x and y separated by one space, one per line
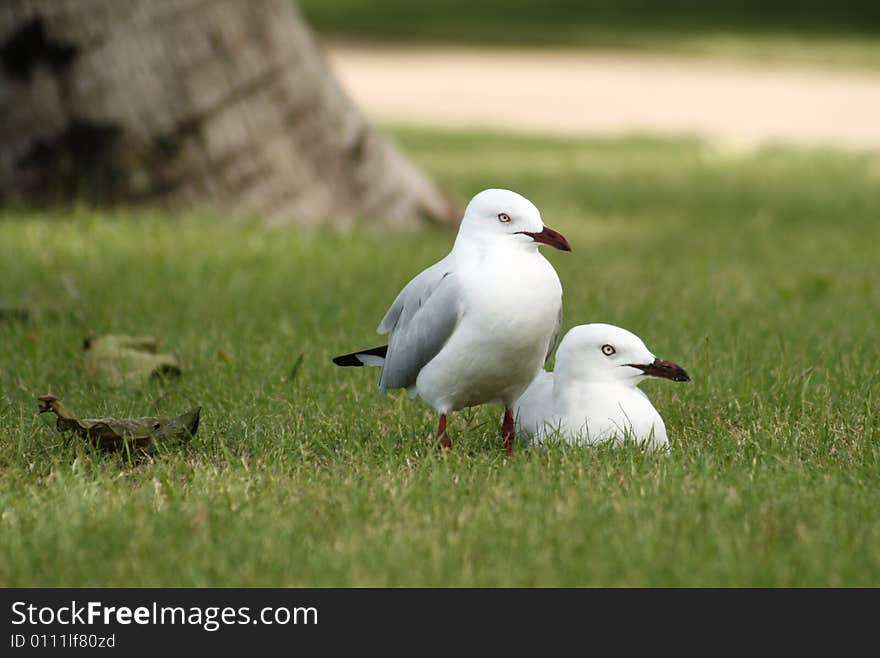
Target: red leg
507 432
442 437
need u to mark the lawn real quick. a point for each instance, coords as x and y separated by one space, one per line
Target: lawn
755 270
790 32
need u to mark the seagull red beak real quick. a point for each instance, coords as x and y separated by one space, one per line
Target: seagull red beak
664 369
551 237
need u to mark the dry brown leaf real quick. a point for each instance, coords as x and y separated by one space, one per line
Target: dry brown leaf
115 434
121 359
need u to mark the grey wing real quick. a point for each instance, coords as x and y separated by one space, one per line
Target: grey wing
420 322
419 288
555 337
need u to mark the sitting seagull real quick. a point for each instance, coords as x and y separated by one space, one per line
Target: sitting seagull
592 396
476 327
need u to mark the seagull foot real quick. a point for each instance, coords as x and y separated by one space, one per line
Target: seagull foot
443 440
507 432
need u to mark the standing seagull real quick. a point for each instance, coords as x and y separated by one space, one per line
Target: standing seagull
476 327
592 396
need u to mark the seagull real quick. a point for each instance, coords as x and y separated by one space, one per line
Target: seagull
592 396
476 327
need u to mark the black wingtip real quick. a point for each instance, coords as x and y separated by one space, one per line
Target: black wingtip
347 360
352 359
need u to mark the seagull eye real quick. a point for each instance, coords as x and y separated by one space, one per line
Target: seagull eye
608 350
503 217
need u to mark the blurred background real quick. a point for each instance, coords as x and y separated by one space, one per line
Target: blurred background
184 105
758 28
742 72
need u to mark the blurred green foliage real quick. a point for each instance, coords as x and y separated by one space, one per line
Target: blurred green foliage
464 18
812 32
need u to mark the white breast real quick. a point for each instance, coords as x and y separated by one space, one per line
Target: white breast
511 305
594 413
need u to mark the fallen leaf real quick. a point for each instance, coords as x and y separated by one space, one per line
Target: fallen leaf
127 359
114 434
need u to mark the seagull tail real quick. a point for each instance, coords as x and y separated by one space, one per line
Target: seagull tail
371 357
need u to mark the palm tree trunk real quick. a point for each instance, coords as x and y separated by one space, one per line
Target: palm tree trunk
227 105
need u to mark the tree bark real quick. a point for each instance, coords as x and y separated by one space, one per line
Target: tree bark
227 105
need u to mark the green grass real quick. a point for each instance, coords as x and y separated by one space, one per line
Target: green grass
845 34
757 271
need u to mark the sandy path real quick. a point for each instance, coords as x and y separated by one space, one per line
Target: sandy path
568 92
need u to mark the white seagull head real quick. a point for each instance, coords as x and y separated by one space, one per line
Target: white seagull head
605 353
502 217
